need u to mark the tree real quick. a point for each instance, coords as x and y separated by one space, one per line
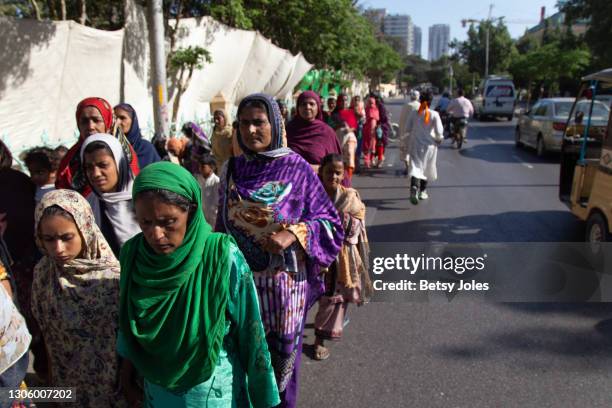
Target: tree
20 8
416 68
501 48
182 64
599 15
397 44
384 64
548 65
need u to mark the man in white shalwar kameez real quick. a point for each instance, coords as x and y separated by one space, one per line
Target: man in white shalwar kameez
408 108
425 132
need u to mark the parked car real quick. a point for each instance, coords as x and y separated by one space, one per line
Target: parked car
542 126
496 97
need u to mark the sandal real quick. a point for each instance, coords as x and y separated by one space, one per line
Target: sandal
321 353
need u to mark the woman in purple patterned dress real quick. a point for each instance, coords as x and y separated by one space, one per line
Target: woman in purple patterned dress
275 207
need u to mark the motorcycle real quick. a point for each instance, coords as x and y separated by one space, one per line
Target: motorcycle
458 129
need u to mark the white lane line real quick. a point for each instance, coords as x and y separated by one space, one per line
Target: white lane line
518 159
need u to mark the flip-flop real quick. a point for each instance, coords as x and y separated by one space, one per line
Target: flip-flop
321 353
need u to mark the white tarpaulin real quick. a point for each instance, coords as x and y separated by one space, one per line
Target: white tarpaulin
46 68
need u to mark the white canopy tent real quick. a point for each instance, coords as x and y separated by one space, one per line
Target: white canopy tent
46 68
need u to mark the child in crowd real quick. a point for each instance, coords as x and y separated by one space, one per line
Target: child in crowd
347 280
209 182
42 163
60 151
348 141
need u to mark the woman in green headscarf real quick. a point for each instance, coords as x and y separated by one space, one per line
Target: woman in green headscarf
189 319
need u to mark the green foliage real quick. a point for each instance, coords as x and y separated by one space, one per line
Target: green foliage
548 64
104 15
501 48
415 71
332 34
396 44
16 8
189 58
384 63
599 32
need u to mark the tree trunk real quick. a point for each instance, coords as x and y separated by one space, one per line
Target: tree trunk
177 101
51 7
36 9
83 7
529 86
180 88
63 6
173 32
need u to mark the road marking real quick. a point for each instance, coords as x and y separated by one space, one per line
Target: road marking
518 159
465 231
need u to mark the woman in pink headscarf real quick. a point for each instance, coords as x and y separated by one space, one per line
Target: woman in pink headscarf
369 131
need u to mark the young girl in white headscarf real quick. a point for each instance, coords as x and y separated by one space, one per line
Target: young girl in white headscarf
109 175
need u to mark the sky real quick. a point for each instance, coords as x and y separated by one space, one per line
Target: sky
526 13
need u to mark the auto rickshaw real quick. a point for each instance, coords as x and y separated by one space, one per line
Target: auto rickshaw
586 158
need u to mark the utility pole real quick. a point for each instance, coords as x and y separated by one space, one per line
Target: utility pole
450 79
158 66
489 23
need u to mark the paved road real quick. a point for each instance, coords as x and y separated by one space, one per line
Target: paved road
468 353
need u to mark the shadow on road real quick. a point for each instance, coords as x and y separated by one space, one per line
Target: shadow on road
577 309
503 153
570 343
536 226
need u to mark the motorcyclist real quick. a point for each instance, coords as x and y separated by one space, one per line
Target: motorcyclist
460 108
442 108
442 105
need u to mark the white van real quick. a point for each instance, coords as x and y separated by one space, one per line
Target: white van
496 96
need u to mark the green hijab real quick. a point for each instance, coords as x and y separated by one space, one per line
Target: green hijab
172 310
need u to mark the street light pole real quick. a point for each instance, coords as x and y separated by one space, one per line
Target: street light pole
489 23
487 52
450 78
158 67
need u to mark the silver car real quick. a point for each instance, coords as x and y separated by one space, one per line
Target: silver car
542 126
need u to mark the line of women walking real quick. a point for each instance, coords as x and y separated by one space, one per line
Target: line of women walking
139 301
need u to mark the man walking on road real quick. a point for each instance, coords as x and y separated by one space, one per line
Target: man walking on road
413 105
425 132
460 108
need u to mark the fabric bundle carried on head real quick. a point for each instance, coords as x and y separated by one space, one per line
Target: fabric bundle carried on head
172 307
